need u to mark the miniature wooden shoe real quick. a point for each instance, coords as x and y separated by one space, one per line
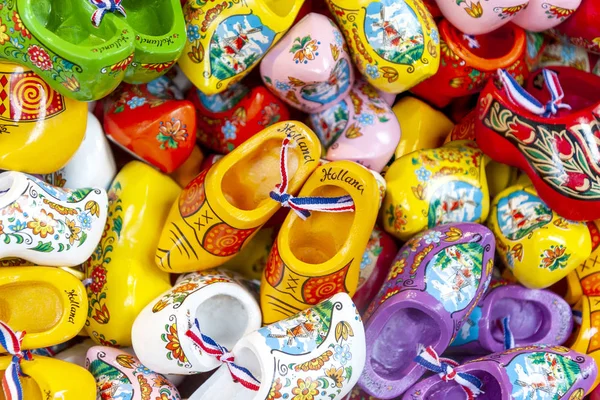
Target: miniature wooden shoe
122 272
226 41
540 15
318 257
227 119
535 243
225 310
580 28
541 132
427 188
47 303
585 278
436 281
149 123
532 317
309 68
477 18
586 337
252 260
317 353
468 62
35 120
423 127
47 225
119 375
224 206
565 54
360 128
394 45
190 168
374 267
532 372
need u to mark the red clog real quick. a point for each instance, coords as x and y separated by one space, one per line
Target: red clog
582 27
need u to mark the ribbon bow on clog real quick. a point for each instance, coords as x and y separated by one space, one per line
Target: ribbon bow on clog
521 97
210 346
304 205
444 367
11 341
104 6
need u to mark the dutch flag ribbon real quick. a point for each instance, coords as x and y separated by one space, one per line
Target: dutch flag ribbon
521 97
11 341
444 367
211 347
509 339
304 205
104 6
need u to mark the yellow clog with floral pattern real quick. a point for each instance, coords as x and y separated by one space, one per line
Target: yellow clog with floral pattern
122 269
539 246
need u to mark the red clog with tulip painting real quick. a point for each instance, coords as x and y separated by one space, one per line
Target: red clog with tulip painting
228 119
560 153
582 27
149 123
468 61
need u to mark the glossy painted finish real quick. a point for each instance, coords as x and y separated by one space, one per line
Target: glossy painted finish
316 258
585 278
541 15
147 121
477 18
468 62
227 119
309 68
565 54
545 148
124 278
586 338
581 27
48 303
432 187
225 41
394 44
360 128
533 241
41 129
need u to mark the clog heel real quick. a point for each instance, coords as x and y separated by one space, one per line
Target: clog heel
57 40
318 257
48 303
223 207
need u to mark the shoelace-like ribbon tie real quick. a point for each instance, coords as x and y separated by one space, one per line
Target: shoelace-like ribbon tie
104 6
210 346
509 338
521 97
444 367
304 205
11 341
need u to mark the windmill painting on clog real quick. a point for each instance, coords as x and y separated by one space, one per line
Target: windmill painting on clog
548 132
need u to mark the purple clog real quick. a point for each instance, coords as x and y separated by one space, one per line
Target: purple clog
535 316
525 373
436 280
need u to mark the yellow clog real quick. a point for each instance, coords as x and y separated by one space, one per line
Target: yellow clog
394 44
585 279
251 261
124 276
315 258
432 187
46 378
538 245
218 213
586 337
423 127
226 40
41 129
48 303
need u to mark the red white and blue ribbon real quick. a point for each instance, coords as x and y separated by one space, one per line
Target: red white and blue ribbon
444 367
11 341
304 205
104 6
521 97
509 338
210 346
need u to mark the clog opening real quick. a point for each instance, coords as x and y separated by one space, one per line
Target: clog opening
30 306
280 7
224 318
31 390
63 19
451 390
529 321
247 184
149 17
321 236
397 344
